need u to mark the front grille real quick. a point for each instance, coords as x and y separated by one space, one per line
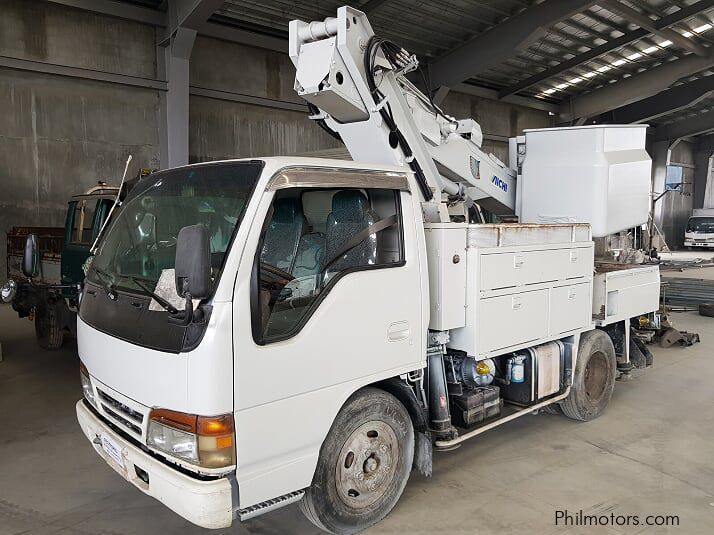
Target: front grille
123 414
126 423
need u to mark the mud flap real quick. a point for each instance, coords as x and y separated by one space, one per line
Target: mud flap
423 453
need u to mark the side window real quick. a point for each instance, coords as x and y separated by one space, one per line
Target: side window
311 238
82 222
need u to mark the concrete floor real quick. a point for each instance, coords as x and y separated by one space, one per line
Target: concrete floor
651 453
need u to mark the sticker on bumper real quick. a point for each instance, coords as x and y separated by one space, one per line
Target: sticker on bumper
112 449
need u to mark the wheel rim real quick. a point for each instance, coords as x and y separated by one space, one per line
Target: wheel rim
367 464
595 381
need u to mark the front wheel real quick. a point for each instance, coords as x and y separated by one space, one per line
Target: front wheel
48 330
594 378
364 464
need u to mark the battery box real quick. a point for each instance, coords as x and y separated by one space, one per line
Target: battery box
474 406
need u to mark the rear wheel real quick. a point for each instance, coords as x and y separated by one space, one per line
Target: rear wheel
364 464
48 330
594 378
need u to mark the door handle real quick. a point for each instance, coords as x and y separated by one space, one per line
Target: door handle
399 330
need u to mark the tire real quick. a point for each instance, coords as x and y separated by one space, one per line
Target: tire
339 500
594 378
706 309
48 330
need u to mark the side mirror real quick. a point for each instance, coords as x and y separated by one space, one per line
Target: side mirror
193 270
31 257
193 262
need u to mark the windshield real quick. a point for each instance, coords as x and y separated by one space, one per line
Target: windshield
701 224
140 243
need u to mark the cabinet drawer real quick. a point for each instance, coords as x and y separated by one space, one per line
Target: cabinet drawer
512 319
570 307
577 262
504 270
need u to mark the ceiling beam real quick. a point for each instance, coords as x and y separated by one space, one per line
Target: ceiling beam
501 42
643 21
671 100
113 8
633 89
192 14
244 37
492 94
691 126
603 49
117 9
370 6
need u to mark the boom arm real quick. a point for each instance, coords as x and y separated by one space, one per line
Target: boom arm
355 82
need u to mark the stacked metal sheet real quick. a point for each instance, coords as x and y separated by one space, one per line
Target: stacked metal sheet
685 291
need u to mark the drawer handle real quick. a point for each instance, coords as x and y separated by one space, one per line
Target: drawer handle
571 294
573 256
516 303
518 261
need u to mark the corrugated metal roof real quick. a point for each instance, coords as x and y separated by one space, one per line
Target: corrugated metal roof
589 50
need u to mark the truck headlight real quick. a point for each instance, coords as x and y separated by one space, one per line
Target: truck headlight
201 440
8 291
86 384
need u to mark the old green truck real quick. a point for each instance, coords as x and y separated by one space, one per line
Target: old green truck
50 296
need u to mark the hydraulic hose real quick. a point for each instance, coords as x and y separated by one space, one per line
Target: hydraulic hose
372 45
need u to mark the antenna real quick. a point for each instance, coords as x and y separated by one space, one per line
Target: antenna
111 211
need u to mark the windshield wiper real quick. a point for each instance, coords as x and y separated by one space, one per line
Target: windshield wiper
160 300
108 286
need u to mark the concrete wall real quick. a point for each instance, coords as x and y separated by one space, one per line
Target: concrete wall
221 129
59 135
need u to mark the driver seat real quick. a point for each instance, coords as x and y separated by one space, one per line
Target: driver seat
283 234
350 215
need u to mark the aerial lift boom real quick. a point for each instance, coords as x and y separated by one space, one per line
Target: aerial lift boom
356 86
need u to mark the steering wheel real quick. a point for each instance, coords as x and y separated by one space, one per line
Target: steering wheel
277 274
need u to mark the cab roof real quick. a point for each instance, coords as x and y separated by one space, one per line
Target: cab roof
274 163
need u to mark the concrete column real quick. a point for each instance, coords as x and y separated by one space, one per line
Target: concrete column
173 62
660 160
702 177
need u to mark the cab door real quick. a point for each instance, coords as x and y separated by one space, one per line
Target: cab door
80 231
330 296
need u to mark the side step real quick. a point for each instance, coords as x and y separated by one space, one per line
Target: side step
270 505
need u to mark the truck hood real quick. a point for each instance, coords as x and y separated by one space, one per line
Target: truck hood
197 382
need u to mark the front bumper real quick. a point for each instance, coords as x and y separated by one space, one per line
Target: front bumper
208 504
698 244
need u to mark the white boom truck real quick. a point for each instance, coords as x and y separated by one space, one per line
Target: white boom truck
259 332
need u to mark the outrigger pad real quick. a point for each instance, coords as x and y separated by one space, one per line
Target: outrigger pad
672 336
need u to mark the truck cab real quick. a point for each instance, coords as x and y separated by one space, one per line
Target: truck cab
273 339
50 296
699 232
